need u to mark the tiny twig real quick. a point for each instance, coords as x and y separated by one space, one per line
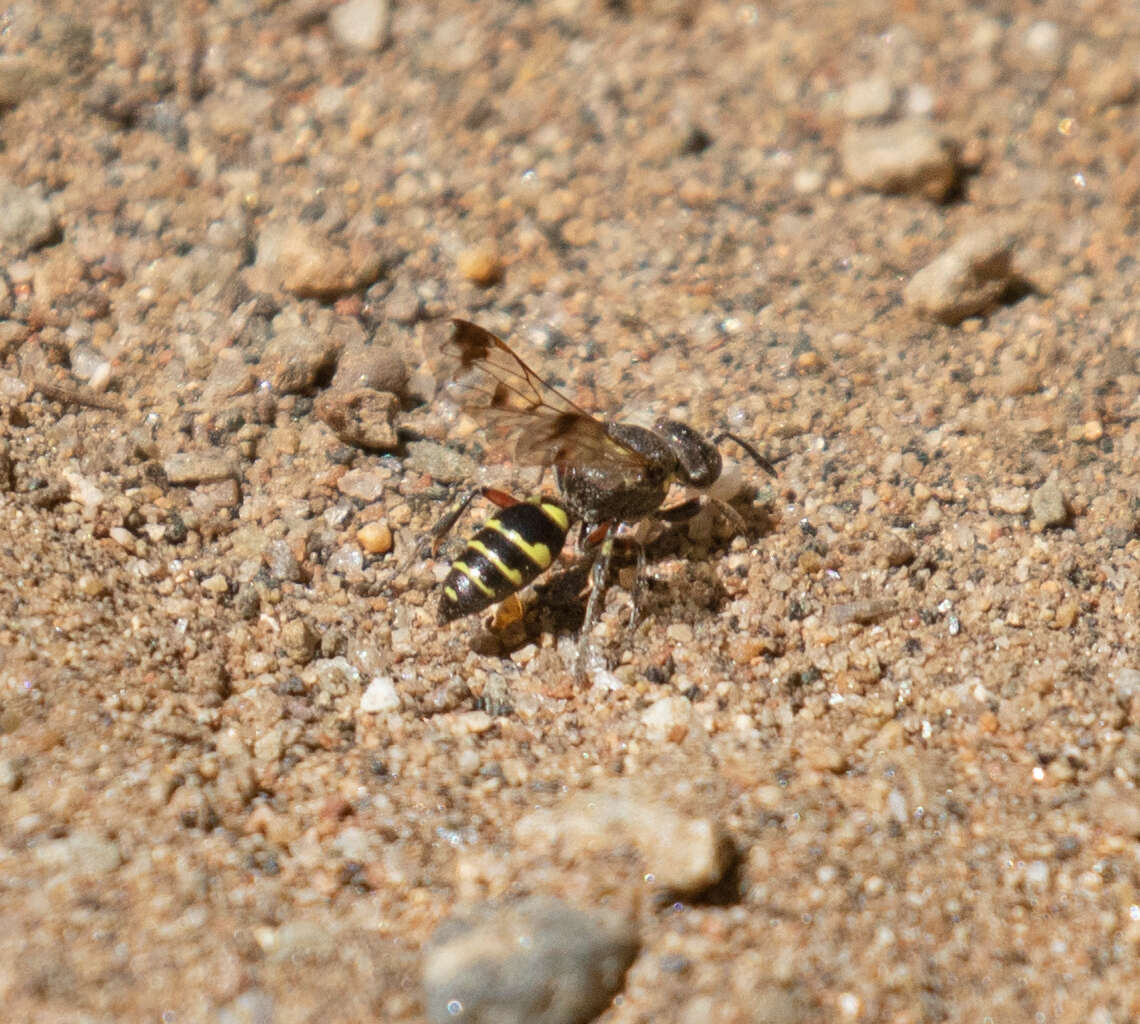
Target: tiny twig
76 396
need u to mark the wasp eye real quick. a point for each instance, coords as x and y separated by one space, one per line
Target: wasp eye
697 458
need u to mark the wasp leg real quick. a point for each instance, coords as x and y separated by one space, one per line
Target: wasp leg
598 575
635 592
451 516
435 536
687 510
680 513
731 514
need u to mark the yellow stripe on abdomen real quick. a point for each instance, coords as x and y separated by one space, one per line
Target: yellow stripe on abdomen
473 576
513 575
556 514
539 554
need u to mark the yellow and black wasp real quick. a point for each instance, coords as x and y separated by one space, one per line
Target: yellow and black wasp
608 474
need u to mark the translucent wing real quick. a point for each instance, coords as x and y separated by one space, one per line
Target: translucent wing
544 426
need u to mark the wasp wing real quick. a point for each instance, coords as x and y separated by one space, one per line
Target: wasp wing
546 428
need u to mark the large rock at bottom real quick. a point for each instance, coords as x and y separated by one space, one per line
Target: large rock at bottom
538 961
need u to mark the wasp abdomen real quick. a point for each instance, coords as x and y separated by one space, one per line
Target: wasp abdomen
513 547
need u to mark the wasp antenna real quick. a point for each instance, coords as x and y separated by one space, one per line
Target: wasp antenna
759 459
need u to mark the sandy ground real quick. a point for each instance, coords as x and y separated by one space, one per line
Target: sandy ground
872 757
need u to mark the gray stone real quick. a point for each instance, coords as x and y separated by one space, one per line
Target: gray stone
534 962
296 359
909 156
375 366
684 852
361 416
968 278
1048 504
440 462
26 220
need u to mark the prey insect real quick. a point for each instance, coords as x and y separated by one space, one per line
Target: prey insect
608 473
513 547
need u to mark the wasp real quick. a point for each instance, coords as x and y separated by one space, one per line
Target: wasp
608 474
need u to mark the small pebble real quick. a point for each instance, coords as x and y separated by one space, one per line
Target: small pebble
375 538
807 181
361 24
299 259
668 720
85 362
909 156
296 359
380 697
1126 683
868 99
403 305
26 220
345 560
20 79
1043 43
1048 504
684 852
896 552
92 586
360 417
366 485
217 496
11 775
537 961
1013 501
123 537
968 278
199 467
864 613
247 601
375 366
281 562
442 463
481 264
578 231
299 640
81 853
83 490
216 584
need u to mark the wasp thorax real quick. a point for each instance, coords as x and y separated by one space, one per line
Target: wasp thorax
698 461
